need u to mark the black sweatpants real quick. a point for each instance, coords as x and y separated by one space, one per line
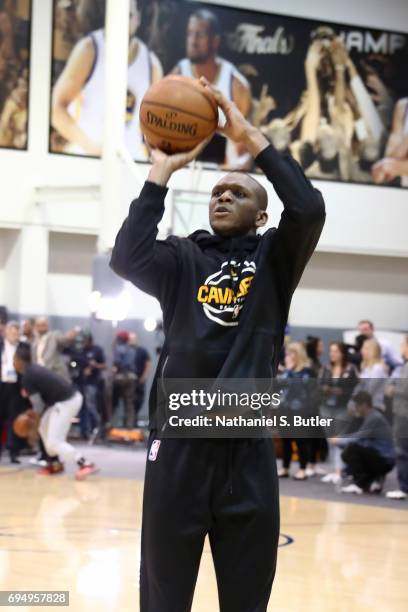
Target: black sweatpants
225 488
365 464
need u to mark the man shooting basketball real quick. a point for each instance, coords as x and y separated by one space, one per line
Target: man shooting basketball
226 488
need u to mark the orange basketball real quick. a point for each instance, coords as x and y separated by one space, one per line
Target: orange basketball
23 425
177 113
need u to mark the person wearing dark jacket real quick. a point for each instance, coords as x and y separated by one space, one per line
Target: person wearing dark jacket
296 398
11 403
225 299
369 452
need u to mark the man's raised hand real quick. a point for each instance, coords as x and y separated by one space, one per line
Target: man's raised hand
236 127
164 164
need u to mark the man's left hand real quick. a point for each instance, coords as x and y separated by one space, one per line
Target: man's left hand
236 126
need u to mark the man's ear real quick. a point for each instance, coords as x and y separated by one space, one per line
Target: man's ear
261 218
216 42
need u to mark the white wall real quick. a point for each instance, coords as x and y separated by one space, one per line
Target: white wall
370 13
337 290
361 219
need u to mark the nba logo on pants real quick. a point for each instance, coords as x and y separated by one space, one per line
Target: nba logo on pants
154 449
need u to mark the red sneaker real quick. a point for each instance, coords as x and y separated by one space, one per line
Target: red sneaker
86 470
55 467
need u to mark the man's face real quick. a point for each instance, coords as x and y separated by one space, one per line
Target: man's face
365 329
200 45
41 327
234 208
12 334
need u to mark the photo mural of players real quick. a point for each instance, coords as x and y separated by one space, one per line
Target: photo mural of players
15 21
78 79
332 95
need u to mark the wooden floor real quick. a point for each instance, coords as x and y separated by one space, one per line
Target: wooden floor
56 533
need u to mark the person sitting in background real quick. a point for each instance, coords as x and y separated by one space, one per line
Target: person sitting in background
337 382
295 397
373 373
124 378
399 393
369 453
55 403
48 345
390 355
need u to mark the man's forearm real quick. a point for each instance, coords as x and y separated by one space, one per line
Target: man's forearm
295 191
160 174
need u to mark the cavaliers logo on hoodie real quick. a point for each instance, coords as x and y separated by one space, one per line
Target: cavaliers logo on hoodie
223 293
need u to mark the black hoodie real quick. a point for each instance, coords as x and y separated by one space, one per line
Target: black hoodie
225 301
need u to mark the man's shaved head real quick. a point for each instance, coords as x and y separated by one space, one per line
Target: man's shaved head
260 191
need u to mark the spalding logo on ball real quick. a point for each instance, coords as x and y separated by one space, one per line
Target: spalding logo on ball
177 113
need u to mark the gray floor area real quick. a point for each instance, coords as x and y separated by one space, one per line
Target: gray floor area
121 461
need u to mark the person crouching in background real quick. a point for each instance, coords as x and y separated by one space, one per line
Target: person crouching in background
369 453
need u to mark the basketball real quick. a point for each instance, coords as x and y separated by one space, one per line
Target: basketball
23 425
177 113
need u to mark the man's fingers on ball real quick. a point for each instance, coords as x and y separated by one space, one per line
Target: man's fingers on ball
215 92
